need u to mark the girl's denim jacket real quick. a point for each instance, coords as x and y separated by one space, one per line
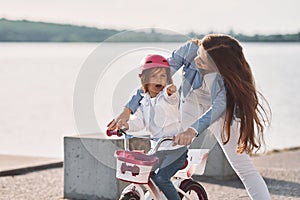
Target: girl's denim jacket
184 57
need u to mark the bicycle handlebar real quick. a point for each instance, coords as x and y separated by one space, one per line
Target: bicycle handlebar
159 142
121 132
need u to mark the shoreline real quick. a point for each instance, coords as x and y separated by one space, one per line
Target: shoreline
284 149
274 151
12 165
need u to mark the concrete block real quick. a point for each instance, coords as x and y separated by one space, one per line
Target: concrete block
89 168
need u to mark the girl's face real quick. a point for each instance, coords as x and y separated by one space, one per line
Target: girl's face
157 81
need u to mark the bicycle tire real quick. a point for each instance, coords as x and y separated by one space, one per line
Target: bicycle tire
130 196
194 189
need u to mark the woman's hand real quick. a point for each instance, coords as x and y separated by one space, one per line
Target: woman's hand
184 138
124 117
121 124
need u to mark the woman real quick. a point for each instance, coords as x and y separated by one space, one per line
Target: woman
223 83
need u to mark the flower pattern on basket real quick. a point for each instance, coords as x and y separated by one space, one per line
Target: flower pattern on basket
135 170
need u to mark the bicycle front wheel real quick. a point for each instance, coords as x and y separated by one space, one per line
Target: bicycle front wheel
130 196
193 190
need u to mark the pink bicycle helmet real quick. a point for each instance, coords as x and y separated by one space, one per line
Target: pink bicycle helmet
152 61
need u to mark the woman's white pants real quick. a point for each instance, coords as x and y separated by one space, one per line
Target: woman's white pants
243 166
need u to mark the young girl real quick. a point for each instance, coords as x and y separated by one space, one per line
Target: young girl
158 113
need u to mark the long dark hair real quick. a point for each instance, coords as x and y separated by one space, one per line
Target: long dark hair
241 95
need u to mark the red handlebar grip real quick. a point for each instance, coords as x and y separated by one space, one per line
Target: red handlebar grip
113 132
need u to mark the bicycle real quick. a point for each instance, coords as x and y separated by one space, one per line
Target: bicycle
135 168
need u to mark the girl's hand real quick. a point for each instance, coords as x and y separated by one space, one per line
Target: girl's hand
171 89
184 138
124 116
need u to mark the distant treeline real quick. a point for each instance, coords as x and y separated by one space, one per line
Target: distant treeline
28 31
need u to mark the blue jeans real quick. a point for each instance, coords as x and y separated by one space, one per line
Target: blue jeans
168 167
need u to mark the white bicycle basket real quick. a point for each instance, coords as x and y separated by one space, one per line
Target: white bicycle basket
134 167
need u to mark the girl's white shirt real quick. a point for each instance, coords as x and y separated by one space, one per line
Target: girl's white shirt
163 122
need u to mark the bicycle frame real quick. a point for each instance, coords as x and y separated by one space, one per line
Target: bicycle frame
196 164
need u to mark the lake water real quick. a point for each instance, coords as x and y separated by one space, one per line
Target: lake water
37 82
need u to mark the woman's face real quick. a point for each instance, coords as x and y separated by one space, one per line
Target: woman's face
157 81
203 62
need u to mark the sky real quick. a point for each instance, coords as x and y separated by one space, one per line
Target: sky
248 17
